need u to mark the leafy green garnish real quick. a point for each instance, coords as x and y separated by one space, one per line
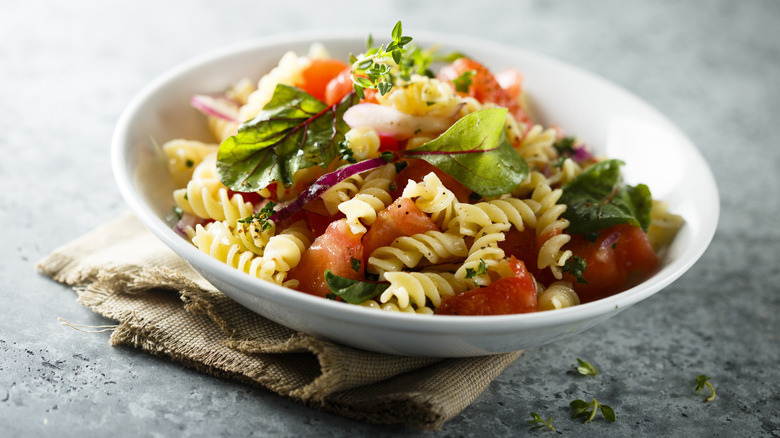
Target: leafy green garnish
565 145
702 381
178 212
540 423
585 409
374 68
598 199
293 131
463 82
576 266
355 264
586 368
475 152
353 291
262 216
481 270
346 153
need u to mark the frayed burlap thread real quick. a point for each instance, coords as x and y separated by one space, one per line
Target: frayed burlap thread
162 306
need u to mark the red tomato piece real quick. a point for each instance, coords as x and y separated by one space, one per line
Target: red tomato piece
318 75
634 250
511 80
617 259
484 87
504 296
333 250
418 168
338 87
401 218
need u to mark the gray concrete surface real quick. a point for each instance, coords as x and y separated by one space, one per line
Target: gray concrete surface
67 69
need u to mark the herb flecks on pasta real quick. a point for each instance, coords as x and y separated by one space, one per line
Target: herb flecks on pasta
402 180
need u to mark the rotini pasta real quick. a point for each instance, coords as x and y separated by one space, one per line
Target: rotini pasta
408 251
372 197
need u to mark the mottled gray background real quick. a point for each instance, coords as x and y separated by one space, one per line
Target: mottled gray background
67 69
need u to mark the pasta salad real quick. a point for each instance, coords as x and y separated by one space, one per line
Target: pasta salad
403 179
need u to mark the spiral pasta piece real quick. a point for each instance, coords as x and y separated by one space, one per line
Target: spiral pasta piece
283 252
341 192
184 156
550 226
372 197
536 146
216 240
392 306
433 246
558 295
484 250
206 197
414 289
432 197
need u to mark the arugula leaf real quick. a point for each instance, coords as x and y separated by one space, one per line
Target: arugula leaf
353 291
475 152
293 131
598 199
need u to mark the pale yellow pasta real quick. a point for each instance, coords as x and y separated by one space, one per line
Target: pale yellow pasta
558 295
408 251
372 197
288 72
484 251
363 141
184 156
253 236
551 254
565 172
536 146
432 197
341 192
206 197
663 226
415 289
216 240
392 306
422 96
283 252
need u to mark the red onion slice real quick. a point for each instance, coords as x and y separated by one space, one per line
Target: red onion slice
610 240
217 106
323 183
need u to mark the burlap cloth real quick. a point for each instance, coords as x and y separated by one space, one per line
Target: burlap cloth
161 305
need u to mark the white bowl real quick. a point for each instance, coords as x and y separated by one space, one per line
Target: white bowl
611 120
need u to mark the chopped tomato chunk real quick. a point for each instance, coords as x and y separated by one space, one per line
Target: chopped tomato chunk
504 296
318 75
620 257
401 218
335 249
484 87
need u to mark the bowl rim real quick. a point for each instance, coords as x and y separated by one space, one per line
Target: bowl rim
398 321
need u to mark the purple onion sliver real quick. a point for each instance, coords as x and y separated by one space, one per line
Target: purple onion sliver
220 107
322 184
610 240
581 154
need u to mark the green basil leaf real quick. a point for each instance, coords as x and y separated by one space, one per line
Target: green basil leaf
353 291
475 151
598 199
293 131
